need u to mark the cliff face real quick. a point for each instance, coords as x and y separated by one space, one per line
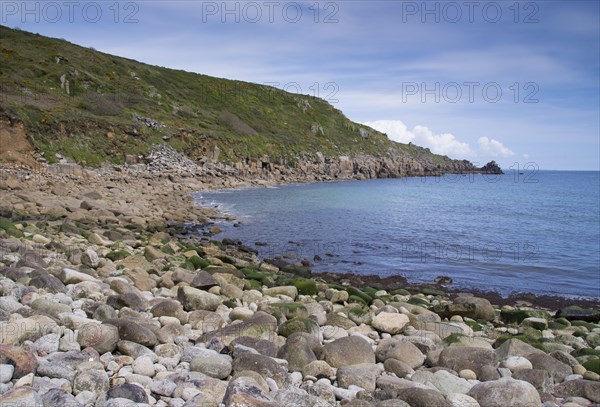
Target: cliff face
93 108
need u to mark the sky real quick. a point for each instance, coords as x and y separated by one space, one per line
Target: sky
515 82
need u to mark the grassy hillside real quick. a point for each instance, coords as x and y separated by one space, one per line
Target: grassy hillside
82 103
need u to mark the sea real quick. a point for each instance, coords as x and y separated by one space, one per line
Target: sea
530 231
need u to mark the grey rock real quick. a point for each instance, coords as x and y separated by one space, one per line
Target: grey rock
505 392
90 258
59 397
483 308
104 312
262 346
488 373
20 397
293 396
130 330
42 279
260 326
363 375
135 350
417 397
515 347
350 350
397 349
103 338
263 365
203 280
540 379
473 358
245 391
397 367
128 391
546 362
129 299
297 352
217 366
194 299
163 387
56 371
579 388
92 380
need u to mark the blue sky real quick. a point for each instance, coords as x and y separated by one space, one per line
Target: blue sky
517 82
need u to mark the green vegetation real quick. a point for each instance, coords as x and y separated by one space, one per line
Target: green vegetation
298 324
305 286
118 255
86 105
198 262
453 338
593 365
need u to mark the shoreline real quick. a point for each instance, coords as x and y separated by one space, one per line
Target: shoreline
108 298
190 186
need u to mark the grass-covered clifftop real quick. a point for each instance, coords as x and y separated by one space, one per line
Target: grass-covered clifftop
82 104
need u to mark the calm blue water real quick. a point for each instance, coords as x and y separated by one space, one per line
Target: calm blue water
537 232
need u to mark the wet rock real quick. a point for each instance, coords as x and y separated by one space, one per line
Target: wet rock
578 313
448 310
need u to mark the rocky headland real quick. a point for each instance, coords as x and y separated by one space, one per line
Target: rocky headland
107 299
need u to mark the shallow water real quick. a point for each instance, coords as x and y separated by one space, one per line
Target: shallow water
532 232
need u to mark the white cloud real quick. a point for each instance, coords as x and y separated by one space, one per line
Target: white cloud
494 148
445 143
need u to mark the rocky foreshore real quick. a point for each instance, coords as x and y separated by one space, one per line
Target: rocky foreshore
106 300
